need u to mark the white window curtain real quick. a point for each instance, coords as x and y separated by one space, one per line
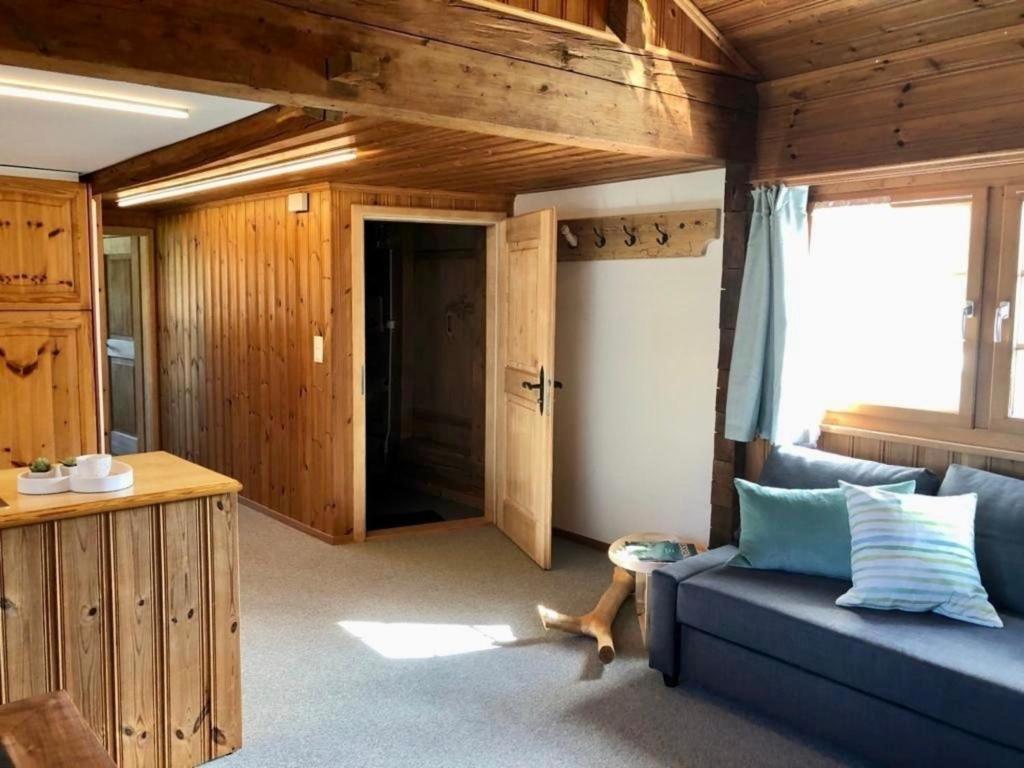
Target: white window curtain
771 379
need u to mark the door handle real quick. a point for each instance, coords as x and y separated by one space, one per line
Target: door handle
538 387
1002 314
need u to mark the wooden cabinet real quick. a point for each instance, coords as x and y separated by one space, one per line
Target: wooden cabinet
47 390
44 245
131 605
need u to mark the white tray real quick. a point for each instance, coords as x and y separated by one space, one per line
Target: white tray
57 482
120 477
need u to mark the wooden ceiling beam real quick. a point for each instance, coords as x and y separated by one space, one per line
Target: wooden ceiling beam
271 50
628 20
242 136
708 27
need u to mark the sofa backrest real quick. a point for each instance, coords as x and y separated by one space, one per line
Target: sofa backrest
793 466
998 531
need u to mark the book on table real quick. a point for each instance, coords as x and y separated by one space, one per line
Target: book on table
664 551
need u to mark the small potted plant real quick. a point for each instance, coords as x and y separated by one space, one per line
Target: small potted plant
69 466
40 468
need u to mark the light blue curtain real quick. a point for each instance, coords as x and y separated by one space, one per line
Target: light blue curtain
764 377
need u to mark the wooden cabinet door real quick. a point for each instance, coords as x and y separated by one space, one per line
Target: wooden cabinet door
44 245
524 424
47 386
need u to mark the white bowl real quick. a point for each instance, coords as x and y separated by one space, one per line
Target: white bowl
93 465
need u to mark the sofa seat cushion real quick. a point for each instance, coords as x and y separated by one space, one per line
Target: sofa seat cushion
967 676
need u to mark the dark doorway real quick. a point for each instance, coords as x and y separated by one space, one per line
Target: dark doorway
425 298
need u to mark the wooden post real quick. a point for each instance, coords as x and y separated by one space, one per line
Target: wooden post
729 458
626 19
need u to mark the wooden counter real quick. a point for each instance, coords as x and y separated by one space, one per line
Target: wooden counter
129 601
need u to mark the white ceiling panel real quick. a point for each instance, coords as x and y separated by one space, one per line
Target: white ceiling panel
38 136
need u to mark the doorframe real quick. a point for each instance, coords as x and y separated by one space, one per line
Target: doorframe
148 311
492 221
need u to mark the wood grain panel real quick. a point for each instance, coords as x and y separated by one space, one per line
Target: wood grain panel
243 288
136 569
225 617
186 692
669 26
135 614
786 37
392 154
85 621
44 245
48 385
27 570
952 99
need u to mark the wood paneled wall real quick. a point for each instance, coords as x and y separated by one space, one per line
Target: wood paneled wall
590 13
243 286
670 27
951 99
135 614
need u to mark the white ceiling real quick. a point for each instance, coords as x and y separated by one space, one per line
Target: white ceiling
41 138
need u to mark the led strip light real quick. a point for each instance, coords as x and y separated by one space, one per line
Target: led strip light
184 188
83 99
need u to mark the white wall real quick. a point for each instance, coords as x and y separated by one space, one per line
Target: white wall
637 349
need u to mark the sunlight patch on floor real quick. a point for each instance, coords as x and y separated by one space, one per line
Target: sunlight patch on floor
402 640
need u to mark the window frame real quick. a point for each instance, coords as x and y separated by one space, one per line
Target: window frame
1008 261
899 420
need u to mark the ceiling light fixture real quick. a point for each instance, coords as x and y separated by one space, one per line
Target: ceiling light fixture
183 187
85 99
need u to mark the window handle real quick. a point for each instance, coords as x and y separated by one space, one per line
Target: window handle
1002 314
968 314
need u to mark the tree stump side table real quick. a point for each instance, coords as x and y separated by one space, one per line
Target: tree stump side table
641 569
629 577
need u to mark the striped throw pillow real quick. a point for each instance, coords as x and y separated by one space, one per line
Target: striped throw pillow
915 553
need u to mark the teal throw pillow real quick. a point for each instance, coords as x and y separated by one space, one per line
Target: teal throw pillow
796 530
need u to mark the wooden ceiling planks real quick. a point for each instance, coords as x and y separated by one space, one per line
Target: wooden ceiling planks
789 37
950 99
401 155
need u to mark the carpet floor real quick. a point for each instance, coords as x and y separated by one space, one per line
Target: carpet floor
426 650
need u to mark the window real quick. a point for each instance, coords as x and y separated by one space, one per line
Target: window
895 286
1007 323
1016 405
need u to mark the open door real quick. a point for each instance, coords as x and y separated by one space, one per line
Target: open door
525 314
126 394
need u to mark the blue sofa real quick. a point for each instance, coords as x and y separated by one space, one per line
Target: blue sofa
896 688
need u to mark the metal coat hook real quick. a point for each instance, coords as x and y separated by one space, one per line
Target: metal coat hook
662 234
601 239
630 236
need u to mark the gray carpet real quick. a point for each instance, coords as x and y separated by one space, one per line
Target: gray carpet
315 694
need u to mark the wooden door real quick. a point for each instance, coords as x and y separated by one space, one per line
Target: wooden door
124 345
47 387
525 293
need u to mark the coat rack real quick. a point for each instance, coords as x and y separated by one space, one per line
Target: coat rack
674 234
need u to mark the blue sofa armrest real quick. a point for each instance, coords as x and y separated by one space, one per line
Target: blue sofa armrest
663 630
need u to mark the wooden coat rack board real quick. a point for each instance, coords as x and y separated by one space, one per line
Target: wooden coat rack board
675 234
